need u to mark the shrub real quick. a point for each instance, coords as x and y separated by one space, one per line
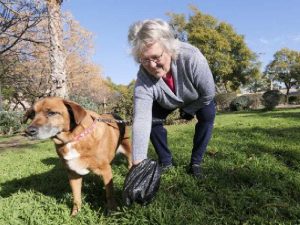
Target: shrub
240 103
223 100
294 99
10 122
124 106
255 99
174 118
272 98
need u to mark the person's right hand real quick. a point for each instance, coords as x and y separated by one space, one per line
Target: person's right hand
136 162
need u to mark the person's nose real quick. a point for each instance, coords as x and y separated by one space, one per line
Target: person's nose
152 64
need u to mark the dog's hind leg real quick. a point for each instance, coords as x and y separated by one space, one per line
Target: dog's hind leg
125 148
106 172
75 181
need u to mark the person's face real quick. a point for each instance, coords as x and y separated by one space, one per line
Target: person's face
156 60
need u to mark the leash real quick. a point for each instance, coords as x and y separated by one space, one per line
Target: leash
127 123
105 120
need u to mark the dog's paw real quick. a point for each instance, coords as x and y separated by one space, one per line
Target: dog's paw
75 210
112 205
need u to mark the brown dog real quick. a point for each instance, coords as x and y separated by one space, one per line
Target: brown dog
85 141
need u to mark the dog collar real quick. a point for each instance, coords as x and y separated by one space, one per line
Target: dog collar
85 132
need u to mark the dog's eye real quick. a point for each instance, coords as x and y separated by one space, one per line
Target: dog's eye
50 113
31 115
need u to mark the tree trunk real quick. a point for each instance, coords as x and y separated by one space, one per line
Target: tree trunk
1 107
287 96
57 56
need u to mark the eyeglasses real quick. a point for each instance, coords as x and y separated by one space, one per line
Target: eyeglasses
155 59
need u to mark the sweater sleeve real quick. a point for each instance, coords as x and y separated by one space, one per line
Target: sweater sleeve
202 80
142 120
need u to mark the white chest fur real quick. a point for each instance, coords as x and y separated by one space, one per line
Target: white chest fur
73 160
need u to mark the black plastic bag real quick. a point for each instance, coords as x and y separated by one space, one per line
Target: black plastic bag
142 182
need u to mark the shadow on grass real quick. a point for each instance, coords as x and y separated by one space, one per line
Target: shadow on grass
256 140
247 193
54 183
258 181
250 173
277 114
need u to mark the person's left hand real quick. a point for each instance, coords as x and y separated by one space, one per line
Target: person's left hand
184 115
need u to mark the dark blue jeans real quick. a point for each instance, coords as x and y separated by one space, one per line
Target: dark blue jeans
203 132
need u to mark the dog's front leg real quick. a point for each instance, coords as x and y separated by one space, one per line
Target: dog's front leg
75 181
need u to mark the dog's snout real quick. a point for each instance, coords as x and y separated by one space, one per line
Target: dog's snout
31 131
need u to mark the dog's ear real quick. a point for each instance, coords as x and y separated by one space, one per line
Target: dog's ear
29 114
76 110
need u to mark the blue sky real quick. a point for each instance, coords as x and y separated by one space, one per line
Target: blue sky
268 26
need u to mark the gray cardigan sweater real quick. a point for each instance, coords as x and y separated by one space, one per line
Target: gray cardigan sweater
194 87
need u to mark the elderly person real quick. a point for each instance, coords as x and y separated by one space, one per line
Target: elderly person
172 75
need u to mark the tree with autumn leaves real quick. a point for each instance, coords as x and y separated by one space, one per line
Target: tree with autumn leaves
26 71
19 20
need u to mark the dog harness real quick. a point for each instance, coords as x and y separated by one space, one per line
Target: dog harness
105 120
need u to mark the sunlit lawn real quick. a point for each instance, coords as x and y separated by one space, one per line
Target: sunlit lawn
251 168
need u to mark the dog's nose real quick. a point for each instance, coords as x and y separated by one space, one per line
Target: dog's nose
31 131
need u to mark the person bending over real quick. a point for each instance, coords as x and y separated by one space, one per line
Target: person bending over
172 74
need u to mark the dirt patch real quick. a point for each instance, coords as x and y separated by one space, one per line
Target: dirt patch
15 142
287 106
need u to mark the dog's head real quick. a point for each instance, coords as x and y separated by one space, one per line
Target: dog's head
53 115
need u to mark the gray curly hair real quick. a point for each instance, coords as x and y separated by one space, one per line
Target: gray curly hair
147 32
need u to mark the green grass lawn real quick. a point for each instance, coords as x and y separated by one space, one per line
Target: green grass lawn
251 168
